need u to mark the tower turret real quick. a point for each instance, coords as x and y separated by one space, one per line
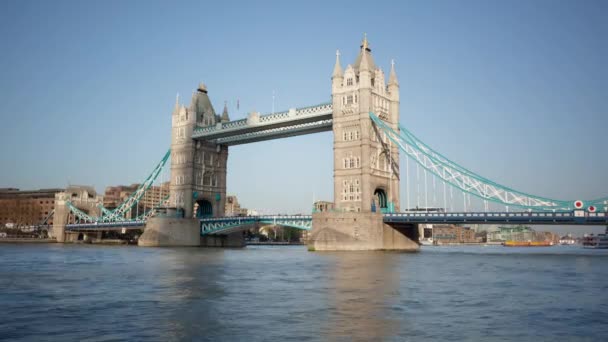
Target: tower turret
337 67
225 117
393 83
337 76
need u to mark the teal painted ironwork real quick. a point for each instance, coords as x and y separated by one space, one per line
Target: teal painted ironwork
466 180
225 224
117 215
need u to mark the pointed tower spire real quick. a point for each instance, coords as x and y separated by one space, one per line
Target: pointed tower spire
225 117
392 79
365 43
364 65
176 108
337 67
364 57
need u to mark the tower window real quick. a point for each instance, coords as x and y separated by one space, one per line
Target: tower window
349 99
349 82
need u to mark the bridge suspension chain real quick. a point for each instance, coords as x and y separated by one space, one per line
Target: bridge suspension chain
464 179
118 214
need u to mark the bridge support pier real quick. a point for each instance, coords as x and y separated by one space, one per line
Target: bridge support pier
234 240
170 232
355 231
60 217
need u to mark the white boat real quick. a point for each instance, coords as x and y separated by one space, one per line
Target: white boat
426 241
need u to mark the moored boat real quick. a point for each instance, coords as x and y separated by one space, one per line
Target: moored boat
527 243
426 241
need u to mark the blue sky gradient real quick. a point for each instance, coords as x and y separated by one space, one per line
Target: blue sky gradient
516 91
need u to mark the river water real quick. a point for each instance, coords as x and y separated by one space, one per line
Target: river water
101 293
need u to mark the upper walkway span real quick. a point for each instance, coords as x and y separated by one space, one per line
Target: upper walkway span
255 127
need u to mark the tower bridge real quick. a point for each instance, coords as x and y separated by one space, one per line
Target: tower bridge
367 140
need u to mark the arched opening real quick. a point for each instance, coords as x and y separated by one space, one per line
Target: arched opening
80 237
205 209
380 194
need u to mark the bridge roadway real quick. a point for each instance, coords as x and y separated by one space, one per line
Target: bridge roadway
224 225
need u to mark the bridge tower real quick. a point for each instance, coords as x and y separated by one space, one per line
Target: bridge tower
366 164
198 178
198 168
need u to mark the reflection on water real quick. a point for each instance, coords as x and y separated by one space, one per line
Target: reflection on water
71 293
362 284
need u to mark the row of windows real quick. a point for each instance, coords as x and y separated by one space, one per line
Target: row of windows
181 133
180 180
346 183
380 102
206 158
179 158
351 162
206 179
350 135
350 81
349 99
351 190
351 197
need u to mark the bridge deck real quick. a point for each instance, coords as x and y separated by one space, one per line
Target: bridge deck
530 218
223 225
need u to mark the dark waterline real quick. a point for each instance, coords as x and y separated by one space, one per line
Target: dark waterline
103 293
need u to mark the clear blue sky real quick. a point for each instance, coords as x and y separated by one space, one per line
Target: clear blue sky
515 90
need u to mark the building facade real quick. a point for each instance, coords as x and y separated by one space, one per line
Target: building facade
26 208
448 234
233 207
520 234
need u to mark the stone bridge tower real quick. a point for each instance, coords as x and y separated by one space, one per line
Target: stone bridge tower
366 164
198 168
198 179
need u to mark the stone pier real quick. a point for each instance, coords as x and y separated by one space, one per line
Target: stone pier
170 232
343 231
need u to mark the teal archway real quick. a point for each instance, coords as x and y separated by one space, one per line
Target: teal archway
205 209
382 199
